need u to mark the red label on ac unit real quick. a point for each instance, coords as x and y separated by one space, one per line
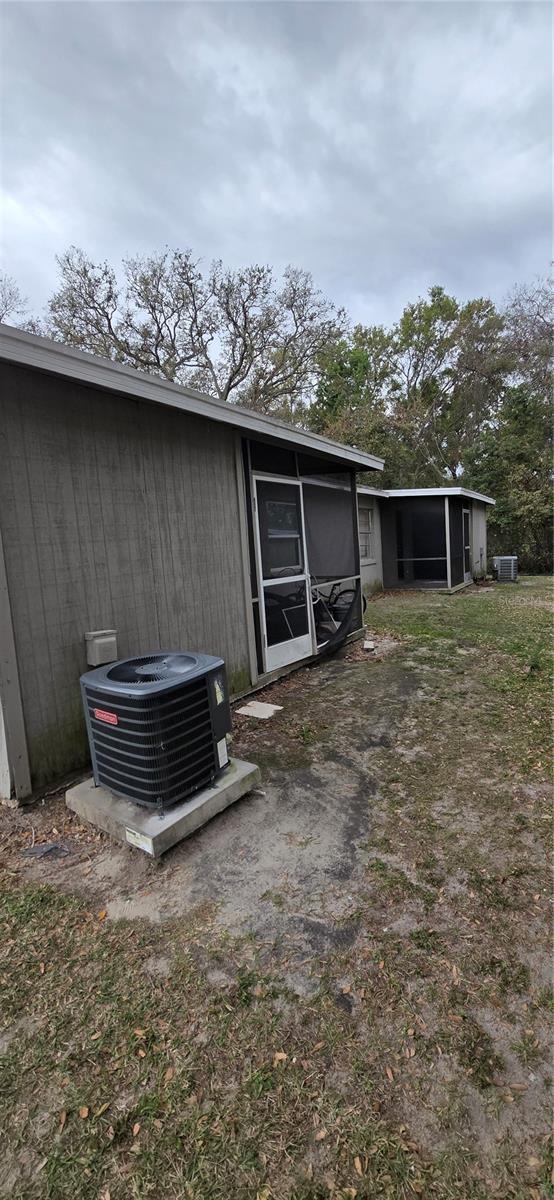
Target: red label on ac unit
108 717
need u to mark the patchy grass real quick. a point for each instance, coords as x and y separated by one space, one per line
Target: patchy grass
383 1033
510 628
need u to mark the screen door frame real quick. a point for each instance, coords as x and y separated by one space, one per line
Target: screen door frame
293 649
468 575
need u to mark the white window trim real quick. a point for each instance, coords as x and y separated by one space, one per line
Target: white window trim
367 560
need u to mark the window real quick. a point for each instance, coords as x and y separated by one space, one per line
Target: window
365 526
280 528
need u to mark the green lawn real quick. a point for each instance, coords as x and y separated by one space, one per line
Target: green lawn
419 1067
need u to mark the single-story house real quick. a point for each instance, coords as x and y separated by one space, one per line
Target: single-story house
177 521
129 503
422 537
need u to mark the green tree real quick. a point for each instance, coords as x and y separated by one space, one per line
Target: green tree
419 393
512 462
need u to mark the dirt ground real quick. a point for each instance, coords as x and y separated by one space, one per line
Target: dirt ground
388 887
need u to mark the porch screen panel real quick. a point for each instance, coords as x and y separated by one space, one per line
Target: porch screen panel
455 506
420 540
329 520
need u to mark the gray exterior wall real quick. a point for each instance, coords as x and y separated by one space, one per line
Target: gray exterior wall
372 568
113 514
478 539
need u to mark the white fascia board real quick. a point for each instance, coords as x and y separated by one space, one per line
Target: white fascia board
369 491
455 491
42 354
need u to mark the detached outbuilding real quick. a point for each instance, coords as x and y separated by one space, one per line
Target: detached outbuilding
178 521
422 537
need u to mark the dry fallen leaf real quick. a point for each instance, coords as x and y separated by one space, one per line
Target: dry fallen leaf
139 1033
351 1193
358 1165
96 1035
142 1053
279 1056
158 1123
62 1118
136 1128
102 914
320 1135
258 990
42 968
105 1195
169 1074
83 1112
318 1046
103 1108
381 964
389 1074
346 989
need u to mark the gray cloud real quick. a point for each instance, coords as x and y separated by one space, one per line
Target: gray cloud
382 146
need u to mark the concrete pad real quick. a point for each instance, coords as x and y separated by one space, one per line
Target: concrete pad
256 708
156 832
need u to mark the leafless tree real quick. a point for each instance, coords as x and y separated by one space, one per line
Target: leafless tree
529 318
12 303
239 335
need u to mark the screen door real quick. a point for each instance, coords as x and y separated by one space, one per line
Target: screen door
285 584
467 546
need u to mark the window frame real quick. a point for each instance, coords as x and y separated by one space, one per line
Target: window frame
368 535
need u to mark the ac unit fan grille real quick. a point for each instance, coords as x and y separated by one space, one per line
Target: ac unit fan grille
161 750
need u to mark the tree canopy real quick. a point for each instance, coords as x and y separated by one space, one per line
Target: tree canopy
240 335
453 392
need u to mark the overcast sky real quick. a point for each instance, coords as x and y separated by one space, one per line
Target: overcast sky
382 146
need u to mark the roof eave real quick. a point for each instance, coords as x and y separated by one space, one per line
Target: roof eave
27 349
454 491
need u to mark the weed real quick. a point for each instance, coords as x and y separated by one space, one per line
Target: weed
511 974
307 734
545 999
426 939
475 1050
527 1048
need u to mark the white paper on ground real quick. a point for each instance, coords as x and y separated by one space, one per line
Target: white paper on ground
256 708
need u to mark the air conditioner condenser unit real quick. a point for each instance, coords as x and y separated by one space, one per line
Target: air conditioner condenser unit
157 725
505 568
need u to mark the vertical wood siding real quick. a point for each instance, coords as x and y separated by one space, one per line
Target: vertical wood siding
113 514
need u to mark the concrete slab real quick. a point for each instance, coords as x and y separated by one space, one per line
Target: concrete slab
152 832
257 708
